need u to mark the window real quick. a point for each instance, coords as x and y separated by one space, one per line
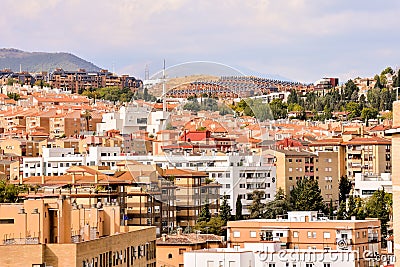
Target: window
236 234
290 178
169 256
6 221
290 169
309 265
228 186
311 234
327 265
295 234
182 250
327 235
242 186
253 234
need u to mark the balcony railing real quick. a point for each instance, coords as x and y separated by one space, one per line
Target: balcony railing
21 241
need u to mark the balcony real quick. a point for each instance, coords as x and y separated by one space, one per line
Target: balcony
21 241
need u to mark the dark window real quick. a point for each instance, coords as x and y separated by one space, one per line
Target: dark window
6 221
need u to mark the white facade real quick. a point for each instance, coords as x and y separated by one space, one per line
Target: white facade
128 120
366 185
260 256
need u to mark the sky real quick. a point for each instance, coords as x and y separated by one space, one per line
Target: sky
303 40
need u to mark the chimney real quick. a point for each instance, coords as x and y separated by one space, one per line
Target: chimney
73 178
43 179
164 237
96 178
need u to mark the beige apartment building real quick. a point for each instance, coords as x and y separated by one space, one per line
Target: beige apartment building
322 165
292 165
368 155
55 231
395 133
304 230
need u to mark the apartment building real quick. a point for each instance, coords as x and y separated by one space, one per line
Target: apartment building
260 255
151 199
293 165
22 147
305 230
53 162
192 192
80 80
395 134
127 120
365 185
58 232
171 248
69 124
368 155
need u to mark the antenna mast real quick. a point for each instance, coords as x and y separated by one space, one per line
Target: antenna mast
163 90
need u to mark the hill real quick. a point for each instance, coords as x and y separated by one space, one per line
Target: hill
11 58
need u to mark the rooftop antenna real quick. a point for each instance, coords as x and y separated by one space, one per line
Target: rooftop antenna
146 72
20 68
163 90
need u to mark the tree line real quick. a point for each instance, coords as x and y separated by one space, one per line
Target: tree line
321 106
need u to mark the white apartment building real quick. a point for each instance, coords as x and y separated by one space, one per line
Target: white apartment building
133 118
55 161
129 119
267 255
366 185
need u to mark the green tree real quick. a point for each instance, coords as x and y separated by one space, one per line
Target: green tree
257 206
214 226
306 195
224 110
344 188
368 113
225 210
354 110
378 83
8 192
293 97
14 96
278 206
11 81
379 206
239 208
205 214
87 116
342 211
349 90
278 109
192 105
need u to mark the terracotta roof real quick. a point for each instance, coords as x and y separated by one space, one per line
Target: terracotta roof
373 140
326 142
